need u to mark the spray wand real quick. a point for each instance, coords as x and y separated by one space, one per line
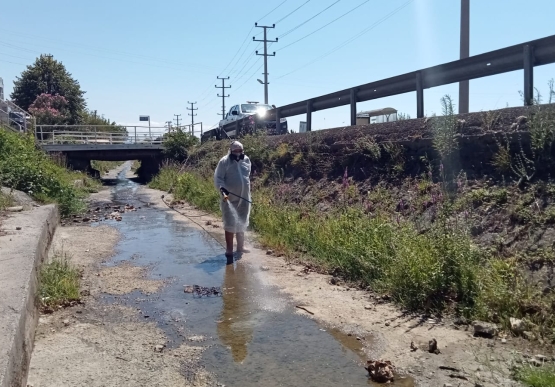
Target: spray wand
226 193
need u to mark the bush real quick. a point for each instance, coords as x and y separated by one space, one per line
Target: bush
177 144
26 168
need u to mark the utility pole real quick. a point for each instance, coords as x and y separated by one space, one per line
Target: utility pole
464 86
192 117
265 55
49 81
177 119
223 87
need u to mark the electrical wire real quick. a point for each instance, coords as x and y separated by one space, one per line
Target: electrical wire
284 1
352 39
306 21
248 34
106 50
7 61
325 25
292 12
99 56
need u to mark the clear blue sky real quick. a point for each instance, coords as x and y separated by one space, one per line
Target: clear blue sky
143 57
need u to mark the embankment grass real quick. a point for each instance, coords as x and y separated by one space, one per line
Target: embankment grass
105 166
5 200
58 282
436 271
537 376
27 168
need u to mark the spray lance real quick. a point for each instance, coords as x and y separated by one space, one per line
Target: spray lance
225 193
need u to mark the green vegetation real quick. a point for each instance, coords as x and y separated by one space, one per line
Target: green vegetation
49 77
105 166
177 142
48 91
26 168
537 376
5 200
414 238
58 282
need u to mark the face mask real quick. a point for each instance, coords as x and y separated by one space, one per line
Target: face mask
237 157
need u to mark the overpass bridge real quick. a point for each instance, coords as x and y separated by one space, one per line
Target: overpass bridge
82 143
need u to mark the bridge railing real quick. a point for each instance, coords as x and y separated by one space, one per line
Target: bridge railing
15 118
99 134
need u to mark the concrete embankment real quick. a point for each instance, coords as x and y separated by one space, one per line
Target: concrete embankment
24 242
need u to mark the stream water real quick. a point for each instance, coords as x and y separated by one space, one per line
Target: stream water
253 334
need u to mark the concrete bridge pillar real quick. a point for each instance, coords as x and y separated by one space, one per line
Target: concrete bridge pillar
150 166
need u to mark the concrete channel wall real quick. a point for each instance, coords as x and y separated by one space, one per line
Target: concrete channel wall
22 251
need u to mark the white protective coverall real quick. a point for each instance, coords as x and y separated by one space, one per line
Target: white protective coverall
234 176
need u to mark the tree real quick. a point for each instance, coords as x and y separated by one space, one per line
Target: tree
177 144
50 109
48 76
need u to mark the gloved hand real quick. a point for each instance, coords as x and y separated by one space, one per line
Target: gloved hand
224 191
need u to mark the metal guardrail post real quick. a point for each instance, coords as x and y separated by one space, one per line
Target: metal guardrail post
135 135
201 129
528 75
419 96
236 128
309 115
278 123
353 107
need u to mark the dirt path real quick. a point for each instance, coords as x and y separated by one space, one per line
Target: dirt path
96 344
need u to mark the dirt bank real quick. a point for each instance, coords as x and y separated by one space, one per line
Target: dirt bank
96 344
386 331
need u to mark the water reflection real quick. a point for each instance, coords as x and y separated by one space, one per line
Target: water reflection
235 328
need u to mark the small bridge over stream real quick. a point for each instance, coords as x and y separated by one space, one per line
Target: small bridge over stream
82 143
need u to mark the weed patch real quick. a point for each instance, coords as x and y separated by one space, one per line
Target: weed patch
58 282
537 376
105 166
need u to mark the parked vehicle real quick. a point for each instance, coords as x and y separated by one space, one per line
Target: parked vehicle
248 117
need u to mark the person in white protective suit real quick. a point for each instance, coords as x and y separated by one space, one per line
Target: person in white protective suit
232 178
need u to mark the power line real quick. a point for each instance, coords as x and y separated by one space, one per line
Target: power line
97 56
352 39
107 50
249 78
292 12
306 21
280 4
7 61
15 56
325 25
241 46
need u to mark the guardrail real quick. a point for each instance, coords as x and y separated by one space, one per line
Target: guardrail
99 134
518 57
15 118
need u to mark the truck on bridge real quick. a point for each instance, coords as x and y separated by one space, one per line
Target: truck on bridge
247 118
